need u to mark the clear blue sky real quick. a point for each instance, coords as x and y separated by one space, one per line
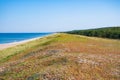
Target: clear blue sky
57 15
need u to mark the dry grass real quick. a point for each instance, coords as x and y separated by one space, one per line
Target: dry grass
62 57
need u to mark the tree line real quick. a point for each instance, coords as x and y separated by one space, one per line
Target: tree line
108 32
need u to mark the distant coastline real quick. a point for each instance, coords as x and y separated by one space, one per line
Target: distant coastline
16 37
12 44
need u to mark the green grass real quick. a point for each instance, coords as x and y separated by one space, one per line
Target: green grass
62 57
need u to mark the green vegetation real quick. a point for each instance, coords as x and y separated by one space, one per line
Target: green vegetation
62 57
110 32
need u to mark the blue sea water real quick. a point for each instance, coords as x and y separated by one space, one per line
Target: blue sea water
15 37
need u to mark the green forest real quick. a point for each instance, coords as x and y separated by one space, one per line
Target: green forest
107 32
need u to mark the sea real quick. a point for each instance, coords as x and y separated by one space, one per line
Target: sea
16 37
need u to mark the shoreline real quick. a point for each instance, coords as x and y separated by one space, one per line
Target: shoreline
12 44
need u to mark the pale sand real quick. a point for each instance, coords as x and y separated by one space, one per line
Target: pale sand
7 45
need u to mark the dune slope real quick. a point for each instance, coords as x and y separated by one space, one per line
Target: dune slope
62 57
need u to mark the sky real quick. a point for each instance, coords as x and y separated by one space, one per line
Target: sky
57 15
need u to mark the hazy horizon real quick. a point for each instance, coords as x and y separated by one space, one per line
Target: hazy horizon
27 16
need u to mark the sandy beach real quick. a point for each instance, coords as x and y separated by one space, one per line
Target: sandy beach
7 45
